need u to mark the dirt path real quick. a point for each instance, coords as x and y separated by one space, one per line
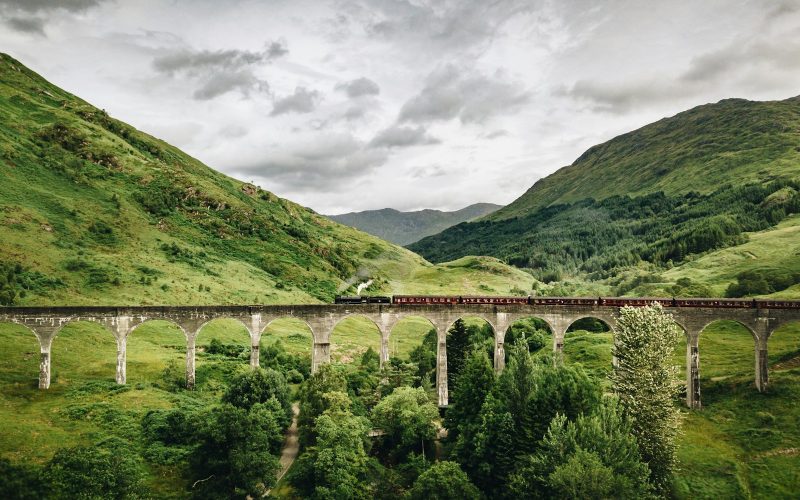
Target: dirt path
291 446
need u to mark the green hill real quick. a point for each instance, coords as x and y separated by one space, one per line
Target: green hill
405 228
649 201
732 141
93 211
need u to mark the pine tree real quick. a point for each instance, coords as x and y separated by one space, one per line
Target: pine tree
646 383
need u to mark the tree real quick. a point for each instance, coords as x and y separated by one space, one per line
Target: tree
424 355
108 470
259 386
407 417
467 397
646 383
328 378
21 481
237 452
336 466
443 481
594 456
458 343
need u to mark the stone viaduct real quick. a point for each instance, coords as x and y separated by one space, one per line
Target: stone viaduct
46 322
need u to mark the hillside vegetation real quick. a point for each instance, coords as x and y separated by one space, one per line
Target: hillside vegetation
94 211
405 228
672 191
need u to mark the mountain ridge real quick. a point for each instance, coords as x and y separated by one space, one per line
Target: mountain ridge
404 228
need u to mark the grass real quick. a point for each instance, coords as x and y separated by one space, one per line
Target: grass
741 445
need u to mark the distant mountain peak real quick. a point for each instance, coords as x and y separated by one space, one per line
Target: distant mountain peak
405 228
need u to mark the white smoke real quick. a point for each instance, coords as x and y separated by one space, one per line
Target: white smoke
362 286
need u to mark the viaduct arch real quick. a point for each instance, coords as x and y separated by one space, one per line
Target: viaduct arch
46 323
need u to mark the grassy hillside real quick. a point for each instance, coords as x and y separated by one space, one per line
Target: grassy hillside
93 211
405 228
698 150
650 201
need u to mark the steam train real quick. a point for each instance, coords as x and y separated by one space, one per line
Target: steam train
571 301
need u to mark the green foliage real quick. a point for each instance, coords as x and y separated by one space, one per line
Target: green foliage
424 356
444 481
406 416
535 332
474 384
236 454
216 346
594 456
257 386
598 238
328 378
17 282
337 465
109 470
296 367
21 482
762 282
170 435
647 385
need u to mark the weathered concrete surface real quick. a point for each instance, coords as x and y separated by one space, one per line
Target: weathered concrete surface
46 323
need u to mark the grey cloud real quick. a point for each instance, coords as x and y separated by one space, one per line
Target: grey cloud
327 161
302 101
50 5
33 25
458 25
359 87
427 171
450 92
221 71
401 137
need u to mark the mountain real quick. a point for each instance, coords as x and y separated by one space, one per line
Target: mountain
405 228
651 200
732 141
93 211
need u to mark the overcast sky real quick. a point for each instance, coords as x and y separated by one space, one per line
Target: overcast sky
365 104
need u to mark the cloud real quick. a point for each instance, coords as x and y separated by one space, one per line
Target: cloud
320 163
451 92
50 5
302 101
438 25
401 137
359 87
33 25
221 71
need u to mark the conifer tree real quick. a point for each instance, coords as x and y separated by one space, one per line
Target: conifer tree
646 382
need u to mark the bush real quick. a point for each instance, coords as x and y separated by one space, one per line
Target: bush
443 481
259 386
108 470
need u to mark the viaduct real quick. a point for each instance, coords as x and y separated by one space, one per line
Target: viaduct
46 322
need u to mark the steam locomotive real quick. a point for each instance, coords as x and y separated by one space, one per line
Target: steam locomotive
571 301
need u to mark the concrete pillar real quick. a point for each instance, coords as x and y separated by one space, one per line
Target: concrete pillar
121 359
499 357
693 372
320 355
254 353
255 329
384 354
44 370
441 369
762 365
190 351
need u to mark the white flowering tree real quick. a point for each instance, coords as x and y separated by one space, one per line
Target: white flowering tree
647 383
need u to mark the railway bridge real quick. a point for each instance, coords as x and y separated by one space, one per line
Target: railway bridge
46 323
